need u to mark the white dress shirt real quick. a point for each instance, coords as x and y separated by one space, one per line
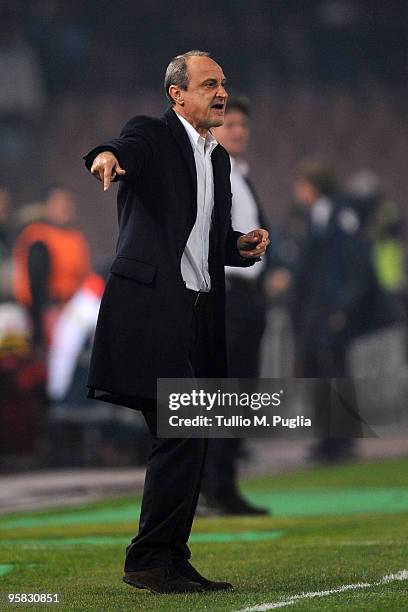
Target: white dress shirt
194 262
244 214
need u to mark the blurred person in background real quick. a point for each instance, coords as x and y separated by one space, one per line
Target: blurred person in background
74 433
329 298
383 224
50 262
21 376
73 331
245 316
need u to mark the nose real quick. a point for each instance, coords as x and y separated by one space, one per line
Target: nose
222 92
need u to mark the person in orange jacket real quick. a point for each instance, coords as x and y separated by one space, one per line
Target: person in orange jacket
50 262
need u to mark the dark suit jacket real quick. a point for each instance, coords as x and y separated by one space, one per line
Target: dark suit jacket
145 317
335 274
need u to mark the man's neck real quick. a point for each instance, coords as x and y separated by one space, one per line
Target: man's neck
202 131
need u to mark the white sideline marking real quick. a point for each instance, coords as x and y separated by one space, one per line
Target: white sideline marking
402 575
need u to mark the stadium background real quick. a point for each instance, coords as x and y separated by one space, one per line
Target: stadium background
325 76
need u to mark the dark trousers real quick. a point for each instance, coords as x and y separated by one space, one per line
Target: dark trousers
174 468
245 326
337 419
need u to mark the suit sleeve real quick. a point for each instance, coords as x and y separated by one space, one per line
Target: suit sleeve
132 149
231 253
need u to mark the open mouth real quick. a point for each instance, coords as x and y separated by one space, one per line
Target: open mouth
218 106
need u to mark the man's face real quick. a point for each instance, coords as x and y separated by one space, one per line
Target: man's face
203 102
305 193
61 207
234 133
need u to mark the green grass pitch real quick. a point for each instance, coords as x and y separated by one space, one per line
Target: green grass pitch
331 527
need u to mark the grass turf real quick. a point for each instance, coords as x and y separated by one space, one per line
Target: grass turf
314 546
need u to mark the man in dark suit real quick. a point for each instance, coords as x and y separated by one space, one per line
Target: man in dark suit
246 310
332 296
163 310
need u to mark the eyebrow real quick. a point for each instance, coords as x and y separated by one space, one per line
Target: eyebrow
212 80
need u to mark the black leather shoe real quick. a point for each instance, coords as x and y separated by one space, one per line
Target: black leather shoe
188 571
333 450
162 580
233 504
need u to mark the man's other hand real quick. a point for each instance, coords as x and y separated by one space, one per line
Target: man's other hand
253 244
105 167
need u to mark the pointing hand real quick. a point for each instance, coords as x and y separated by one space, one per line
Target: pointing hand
105 167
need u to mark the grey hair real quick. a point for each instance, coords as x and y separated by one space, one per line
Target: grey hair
176 72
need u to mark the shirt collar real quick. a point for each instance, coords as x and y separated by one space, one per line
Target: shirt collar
197 141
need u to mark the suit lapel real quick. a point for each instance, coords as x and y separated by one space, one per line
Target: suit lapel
183 141
222 190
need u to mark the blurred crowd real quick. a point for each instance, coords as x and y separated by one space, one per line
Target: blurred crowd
327 41
337 270
67 66
49 302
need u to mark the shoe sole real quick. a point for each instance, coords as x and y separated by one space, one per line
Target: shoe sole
214 590
139 585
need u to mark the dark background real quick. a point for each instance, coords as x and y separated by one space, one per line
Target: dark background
326 77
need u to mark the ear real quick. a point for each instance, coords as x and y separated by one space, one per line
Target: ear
176 94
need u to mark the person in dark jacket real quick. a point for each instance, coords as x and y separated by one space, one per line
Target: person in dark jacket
332 283
163 310
246 310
